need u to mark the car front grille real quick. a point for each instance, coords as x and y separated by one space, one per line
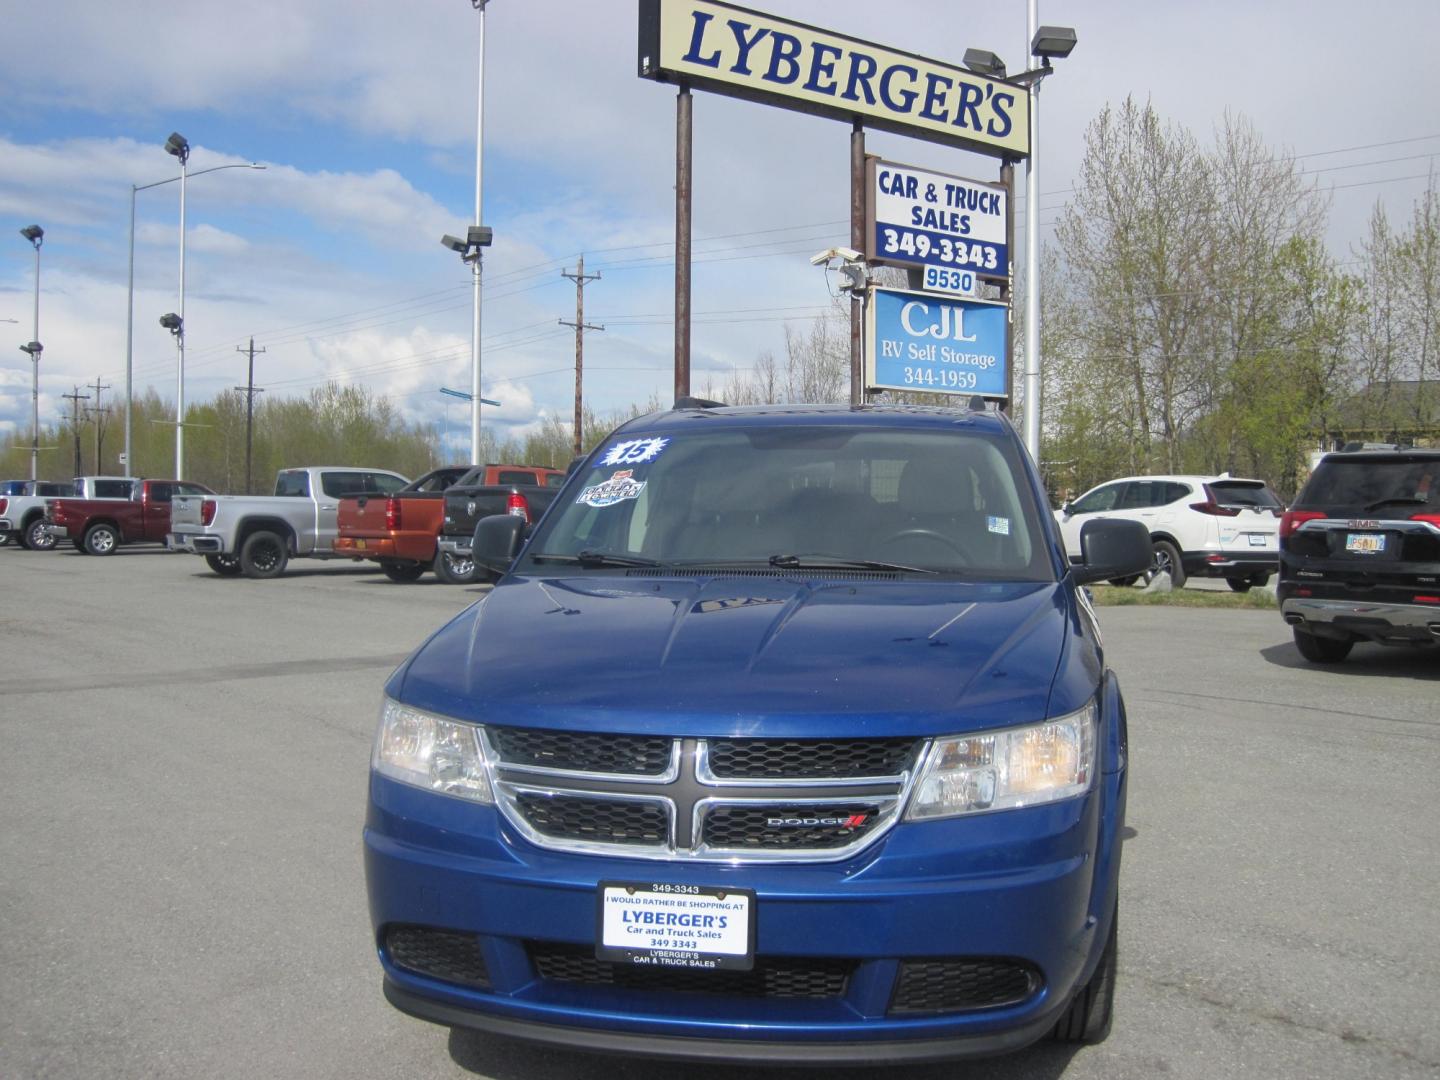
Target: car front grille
960 984
690 798
447 955
771 977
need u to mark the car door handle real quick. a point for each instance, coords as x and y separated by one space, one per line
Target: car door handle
327 506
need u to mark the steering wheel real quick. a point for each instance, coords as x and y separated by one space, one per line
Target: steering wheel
930 534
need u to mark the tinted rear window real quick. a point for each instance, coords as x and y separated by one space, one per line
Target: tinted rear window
514 476
1374 484
1243 493
294 485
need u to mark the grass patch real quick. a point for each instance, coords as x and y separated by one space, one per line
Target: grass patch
1110 596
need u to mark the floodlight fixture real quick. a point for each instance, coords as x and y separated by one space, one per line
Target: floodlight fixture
984 62
845 254
178 146
1053 42
34 233
480 236
34 349
172 322
454 243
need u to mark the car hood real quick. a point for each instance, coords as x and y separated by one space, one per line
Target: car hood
731 655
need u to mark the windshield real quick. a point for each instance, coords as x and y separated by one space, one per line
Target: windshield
802 497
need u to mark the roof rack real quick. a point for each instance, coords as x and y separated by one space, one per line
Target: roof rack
697 403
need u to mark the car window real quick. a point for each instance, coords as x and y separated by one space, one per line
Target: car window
294 484
113 489
161 491
1102 498
515 476
1141 495
1243 493
338 485
1175 491
192 489
52 490
949 502
385 483
555 479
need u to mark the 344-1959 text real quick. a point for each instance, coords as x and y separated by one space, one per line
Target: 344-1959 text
945 378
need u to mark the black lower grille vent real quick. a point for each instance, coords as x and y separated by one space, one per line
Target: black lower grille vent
961 983
448 955
604 821
774 977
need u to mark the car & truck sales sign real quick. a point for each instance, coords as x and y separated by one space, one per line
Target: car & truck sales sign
936 344
749 54
927 219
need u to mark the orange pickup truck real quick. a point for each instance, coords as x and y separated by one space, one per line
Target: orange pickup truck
398 531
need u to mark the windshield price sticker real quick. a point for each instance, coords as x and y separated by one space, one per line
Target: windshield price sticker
926 219
667 925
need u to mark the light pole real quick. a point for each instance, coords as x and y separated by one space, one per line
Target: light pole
130 304
180 148
1045 42
477 264
470 250
36 235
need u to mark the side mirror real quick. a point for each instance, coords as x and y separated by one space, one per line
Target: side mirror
1112 548
1067 508
497 541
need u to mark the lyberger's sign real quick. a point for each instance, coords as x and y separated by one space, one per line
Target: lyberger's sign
743 53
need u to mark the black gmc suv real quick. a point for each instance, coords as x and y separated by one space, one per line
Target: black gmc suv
1360 553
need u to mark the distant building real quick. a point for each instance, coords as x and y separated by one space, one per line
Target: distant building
1392 413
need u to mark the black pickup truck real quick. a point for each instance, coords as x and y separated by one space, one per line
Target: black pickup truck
466 504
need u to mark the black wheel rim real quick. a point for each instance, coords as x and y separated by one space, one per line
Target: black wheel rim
266 556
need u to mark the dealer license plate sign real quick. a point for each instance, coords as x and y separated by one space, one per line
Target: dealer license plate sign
1256 539
667 925
1365 543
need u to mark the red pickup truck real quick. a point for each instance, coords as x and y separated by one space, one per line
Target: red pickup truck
99 526
398 531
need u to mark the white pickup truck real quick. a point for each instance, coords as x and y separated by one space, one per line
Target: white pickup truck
257 535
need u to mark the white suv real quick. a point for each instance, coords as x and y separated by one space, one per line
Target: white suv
1210 526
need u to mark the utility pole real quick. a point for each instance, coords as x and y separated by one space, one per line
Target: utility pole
75 398
249 390
99 416
580 325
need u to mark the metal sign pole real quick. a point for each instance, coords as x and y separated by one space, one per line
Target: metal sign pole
683 141
857 241
1007 288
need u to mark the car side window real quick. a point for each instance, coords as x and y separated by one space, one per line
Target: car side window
161 492
192 489
1138 495
384 483
112 489
337 485
294 485
1102 498
1174 492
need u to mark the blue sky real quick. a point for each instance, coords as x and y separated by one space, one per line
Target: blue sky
364 116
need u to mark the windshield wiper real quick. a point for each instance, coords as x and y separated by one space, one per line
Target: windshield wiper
817 560
590 559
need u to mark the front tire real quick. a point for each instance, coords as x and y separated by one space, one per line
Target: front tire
1090 1014
264 555
37 538
1321 650
101 539
454 569
402 572
1167 560
224 565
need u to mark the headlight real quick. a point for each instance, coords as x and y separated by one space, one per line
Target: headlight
431 752
998 770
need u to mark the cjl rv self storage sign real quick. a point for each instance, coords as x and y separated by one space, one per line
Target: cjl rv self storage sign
935 344
928 219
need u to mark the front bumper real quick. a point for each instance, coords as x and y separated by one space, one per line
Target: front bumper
1036 886
195 543
1372 620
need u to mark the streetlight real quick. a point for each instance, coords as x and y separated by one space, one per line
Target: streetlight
36 235
475 265
470 250
178 147
130 308
1046 42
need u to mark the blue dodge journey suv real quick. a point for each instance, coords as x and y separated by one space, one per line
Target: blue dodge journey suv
786 736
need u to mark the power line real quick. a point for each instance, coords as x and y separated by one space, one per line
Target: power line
580 325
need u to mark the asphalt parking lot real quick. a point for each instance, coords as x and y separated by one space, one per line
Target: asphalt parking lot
182 783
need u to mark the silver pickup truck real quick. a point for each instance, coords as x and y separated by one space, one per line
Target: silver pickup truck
257 535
